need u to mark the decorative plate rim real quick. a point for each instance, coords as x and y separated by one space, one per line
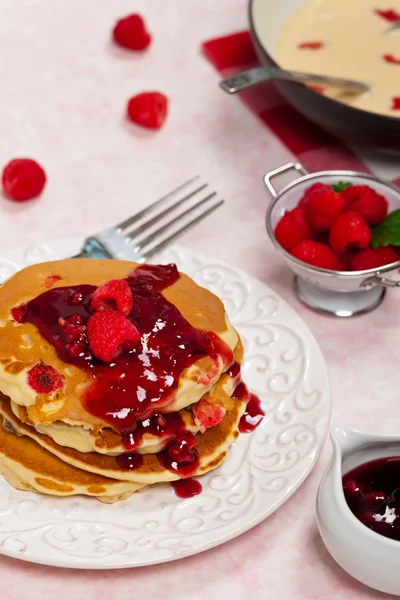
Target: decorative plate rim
14 547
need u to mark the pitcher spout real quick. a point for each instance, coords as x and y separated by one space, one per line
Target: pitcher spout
346 440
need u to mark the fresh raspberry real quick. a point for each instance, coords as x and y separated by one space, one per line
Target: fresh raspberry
18 312
182 449
110 334
366 201
308 191
349 232
23 179
373 258
44 379
292 228
319 255
207 415
131 32
113 295
322 208
51 280
148 109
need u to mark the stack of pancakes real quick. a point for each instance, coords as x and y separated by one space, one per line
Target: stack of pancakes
53 441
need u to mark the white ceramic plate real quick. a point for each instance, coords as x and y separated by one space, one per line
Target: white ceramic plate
284 366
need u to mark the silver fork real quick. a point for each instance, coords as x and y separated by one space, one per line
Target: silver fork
151 229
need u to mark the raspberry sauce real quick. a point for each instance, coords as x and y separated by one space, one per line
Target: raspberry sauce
372 492
186 488
181 456
140 381
167 425
253 414
234 370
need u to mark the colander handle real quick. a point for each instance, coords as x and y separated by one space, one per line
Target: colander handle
291 166
378 280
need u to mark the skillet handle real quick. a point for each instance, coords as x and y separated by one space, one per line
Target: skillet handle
291 166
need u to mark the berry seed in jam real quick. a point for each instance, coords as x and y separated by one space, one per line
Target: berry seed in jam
372 492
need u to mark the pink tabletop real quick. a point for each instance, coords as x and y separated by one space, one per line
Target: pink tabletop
63 94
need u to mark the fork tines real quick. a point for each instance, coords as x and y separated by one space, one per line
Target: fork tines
157 225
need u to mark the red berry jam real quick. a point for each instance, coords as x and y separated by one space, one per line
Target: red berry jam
186 488
143 380
372 492
253 414
167 425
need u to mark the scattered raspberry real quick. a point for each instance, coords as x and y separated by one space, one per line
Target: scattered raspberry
148 109
322 208
207 415
113 295
51 280
131 32
350 231
390 15
311 45
182 449
390 58
18 313
23 179
315 186
396 103
110 334
372 259
44 379
292 228
319 255
365 201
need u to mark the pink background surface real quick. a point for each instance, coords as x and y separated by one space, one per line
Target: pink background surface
64 89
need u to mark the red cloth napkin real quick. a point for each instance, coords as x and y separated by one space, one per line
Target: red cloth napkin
315 148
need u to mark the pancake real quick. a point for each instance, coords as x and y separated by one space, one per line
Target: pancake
107 441
212 448
29 467
23 347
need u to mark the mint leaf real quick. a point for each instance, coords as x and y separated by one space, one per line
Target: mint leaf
340 186
387 233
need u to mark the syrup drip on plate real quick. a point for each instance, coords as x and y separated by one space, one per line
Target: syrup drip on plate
253 414
186 488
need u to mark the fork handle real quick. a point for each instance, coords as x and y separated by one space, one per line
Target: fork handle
92 249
